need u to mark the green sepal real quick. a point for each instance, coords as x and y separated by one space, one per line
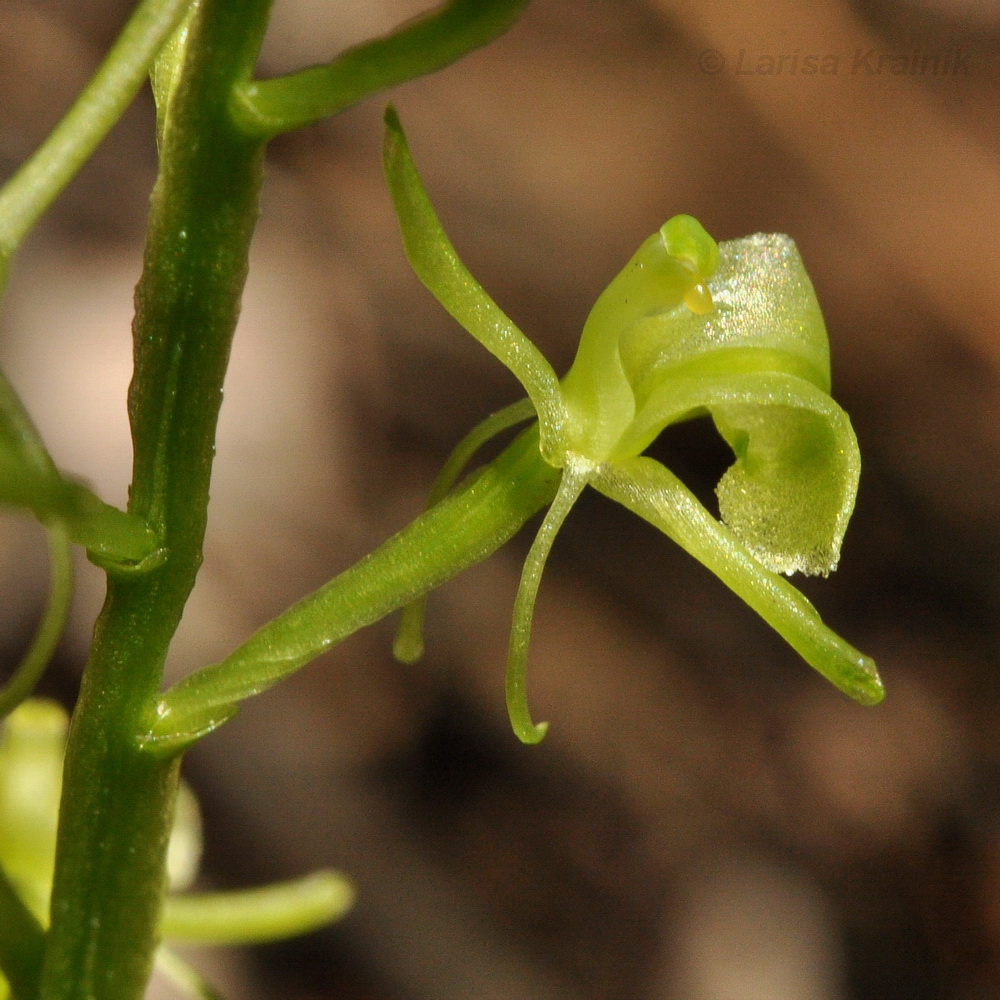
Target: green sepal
438 266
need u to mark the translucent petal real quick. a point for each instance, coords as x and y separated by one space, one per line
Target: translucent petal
764 317
791 492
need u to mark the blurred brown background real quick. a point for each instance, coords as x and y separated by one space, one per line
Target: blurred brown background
707 820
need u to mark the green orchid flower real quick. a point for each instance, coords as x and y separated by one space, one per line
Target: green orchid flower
689 327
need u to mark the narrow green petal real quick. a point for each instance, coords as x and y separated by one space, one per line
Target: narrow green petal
791 492
437 265
654 493
409 644
574 479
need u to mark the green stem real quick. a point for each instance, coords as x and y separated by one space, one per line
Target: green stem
22 941
118 802
461 530
35 186
266 108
